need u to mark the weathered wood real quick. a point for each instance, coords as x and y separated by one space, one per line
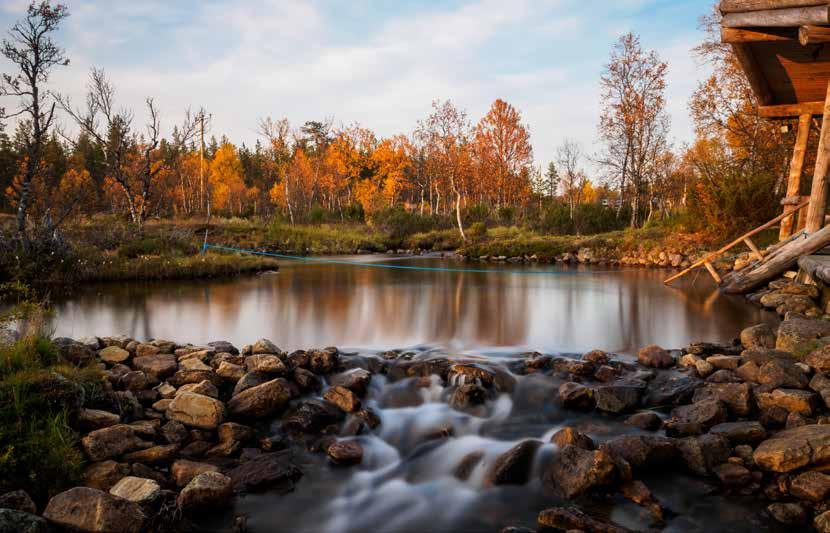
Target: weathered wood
789 111
715 254
808 35
784 259
712 272
757 35
753 72
816 266
754 249
818 193
796 167
779 18
741 6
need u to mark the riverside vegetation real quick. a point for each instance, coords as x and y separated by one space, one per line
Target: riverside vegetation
117 434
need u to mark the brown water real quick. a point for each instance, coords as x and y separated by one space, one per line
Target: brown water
405 482
306 305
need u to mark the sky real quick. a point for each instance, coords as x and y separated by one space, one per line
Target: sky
379 63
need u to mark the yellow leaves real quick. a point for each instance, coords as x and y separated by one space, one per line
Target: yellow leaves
228 188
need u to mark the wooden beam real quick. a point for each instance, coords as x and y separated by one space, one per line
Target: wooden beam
753 72
757 35
813 35
712 272
756 253
785 258
791 110
742 6
796 167
779 18
818 193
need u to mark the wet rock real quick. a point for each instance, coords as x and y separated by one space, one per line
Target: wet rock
157 455
794 448
468 463
705 413
264 346
513 466
93 510
311 416
642 451
737 396
798 334
183 471
136 489
306 380
231 431
204 387
617 398
159 366
598 357
724 362
356 380
655 356
793 400
761 337
704 368
781 373
323 361
740 432
637 492
570 437
265 364
345 452
572 519
267 471
648 420
791 514
18 500
606 374
702 454
468 396
576 396
15 521
110 442
670 389
732 475
207 490
574 471
261 400
196 410
251 379
346 400
462 374
812 486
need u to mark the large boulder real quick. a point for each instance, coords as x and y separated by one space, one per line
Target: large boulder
617 398
114 354
183 471
110 442
781 373
344 398
575 471
702 454
261 400
705 413
800 335
811 486
642 451
14 521
264 346
323 361
92 510
208 490
265 363
311 416
574 395
819 359
196 410
760 337
794 448
736 396
513 466
264 472
749 432
345 452
137 489
572 519
161 365
670 388
655 356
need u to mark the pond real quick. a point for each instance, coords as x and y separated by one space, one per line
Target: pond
408 480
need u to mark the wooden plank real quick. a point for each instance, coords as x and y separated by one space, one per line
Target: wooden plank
712 272
796 167
818 193
741 6
753 72
754 249
784 259
778 18
808 35
791 110
757 35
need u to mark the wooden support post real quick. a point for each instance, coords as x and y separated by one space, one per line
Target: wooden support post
759 35
712 271
813 35
796 166
755 251
818 192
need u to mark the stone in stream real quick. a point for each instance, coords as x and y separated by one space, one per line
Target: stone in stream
576 396
750 432
572 519
323 361
197 410
356 380
231 431
642 451
648 420
207 490
705 413
812 486
183 471
513 466
264 346
267 471
574 471
467 464
793 400
265 364
821 385
194 364
346 400
569 436
670 389
345 452
794 448
732 475
261 400
160 366
798 334
702 454
724 362
311 416
737 396
306 379
251 379
468 396
791 514
781 373
93 510
655 356
174 432
15 521
617 398
136 489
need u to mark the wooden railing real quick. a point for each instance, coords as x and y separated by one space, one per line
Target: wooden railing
707 260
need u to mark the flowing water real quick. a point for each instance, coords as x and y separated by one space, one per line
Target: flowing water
405 482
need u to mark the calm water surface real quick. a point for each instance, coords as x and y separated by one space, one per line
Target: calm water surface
405 482
310 305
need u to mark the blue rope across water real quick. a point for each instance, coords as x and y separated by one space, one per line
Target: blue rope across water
206 246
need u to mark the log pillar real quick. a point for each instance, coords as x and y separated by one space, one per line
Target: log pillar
794 179
818 194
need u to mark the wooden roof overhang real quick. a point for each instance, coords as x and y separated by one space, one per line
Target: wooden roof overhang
783 47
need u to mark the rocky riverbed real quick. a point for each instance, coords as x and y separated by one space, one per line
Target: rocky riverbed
709 437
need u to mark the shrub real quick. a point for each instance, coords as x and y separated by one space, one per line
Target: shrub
477 231
398 223
157 245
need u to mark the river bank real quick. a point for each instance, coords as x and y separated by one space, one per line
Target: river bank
167 430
